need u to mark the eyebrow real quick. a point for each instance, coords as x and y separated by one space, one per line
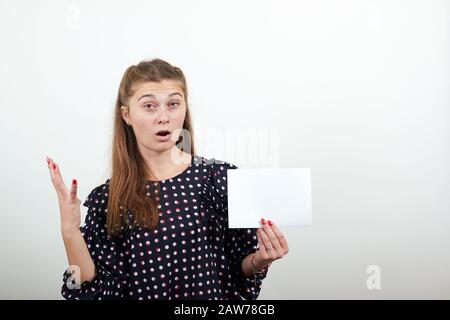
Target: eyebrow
152 95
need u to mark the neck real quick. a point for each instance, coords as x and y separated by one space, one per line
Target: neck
166 164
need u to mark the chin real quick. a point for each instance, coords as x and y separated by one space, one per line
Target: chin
162 147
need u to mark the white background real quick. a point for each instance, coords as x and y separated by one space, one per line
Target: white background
358 91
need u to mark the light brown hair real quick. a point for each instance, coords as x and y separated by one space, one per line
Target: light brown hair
127 192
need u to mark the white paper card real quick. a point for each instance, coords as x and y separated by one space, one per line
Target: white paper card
282 195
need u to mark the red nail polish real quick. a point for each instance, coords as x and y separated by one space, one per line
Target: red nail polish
262 221
54 166
74 181
48 161
270 223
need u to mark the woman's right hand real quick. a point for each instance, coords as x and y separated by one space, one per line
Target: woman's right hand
69 204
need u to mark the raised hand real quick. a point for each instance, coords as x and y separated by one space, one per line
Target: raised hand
69 204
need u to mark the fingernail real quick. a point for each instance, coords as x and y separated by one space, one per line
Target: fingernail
270 223
54 166
262 221
74 181
48 160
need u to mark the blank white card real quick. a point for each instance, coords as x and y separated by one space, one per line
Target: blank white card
281 195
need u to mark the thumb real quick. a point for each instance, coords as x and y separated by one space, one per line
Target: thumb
73 190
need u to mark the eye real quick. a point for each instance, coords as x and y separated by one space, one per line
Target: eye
177 104
150 106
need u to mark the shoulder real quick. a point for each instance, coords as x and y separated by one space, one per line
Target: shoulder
213 165
215 176
98 195
97 204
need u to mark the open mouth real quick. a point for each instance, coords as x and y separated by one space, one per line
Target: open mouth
163 133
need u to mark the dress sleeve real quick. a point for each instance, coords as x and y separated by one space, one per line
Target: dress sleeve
110 257
239 242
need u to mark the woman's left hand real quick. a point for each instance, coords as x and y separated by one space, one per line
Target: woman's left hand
272 244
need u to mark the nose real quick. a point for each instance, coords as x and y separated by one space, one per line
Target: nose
163 116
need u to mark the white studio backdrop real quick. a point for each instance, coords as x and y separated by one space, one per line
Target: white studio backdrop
358 91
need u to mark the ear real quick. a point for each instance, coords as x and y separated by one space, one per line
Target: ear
125 114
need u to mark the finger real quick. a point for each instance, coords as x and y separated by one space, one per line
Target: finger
56 177
281 238
49 163
73 190
50 168
263 255
266 241
262 247
273 238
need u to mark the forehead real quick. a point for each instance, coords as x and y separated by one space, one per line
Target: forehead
163 88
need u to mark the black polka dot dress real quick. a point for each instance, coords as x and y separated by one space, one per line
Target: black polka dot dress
191 254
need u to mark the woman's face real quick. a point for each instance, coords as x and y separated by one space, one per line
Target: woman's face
155 107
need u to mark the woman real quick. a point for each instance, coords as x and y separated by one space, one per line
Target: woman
158 228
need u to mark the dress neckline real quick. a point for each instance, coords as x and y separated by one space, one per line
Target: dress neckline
176 176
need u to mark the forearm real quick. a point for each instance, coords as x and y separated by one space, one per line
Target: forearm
78 254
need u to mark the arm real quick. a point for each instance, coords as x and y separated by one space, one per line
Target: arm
246 266
101 261
78 254
100 264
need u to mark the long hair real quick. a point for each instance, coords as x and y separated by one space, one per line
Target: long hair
127 187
